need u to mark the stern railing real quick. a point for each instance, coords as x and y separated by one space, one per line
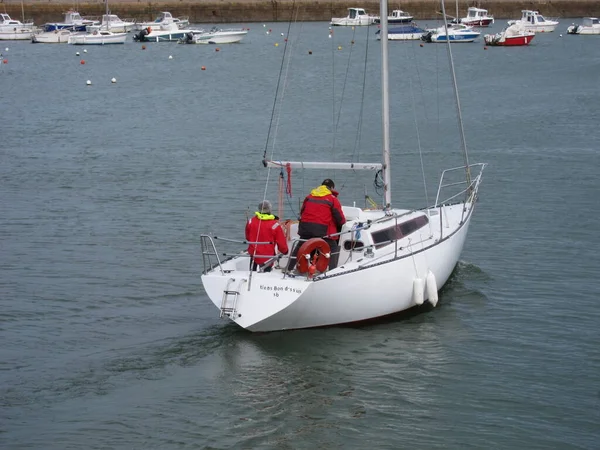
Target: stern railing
210 257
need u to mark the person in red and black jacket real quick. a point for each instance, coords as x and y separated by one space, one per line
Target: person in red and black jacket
264 227
321 215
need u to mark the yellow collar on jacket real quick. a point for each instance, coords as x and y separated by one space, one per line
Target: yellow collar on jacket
262 216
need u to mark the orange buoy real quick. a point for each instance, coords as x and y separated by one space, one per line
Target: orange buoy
203 68
314 252
217 49
310 52
420 45
82 62
143 47
485 48
5 61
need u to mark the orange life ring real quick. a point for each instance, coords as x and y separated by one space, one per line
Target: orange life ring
313 254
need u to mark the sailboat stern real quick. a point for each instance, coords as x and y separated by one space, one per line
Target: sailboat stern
249 298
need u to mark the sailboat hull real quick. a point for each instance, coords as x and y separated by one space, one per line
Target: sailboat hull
360 290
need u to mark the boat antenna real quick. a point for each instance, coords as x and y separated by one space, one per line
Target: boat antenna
385 105
457 98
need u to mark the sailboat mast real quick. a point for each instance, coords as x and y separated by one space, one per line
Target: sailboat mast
107 18
385 105
461 128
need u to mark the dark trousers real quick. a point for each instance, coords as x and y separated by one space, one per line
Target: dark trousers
333 246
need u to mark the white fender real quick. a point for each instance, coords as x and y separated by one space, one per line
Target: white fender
418 294
432 290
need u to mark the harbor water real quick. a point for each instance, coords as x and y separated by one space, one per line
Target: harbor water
108 338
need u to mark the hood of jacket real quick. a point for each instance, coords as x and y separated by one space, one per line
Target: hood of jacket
323 191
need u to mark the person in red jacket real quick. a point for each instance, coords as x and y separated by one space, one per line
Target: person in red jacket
264 227
321 216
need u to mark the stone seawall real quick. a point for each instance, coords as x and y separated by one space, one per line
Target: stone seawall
246 11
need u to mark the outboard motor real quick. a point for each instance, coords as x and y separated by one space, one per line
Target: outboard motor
189 38
141 36
426 37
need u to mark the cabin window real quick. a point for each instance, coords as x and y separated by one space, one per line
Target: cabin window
353 245
384 237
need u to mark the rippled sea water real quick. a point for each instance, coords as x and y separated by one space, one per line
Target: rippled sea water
108 339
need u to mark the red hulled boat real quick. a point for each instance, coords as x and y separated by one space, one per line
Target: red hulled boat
513 35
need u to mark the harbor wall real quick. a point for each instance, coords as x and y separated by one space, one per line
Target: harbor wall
246 11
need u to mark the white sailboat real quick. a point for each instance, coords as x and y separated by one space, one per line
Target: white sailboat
98 35
391 259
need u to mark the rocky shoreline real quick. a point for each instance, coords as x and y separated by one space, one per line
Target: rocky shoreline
247 11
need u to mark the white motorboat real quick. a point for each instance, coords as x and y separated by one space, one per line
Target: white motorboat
404 32
51 37
397 16
457 32
355 17
535 22
163 30
390 259
164 33
15 30
214 36
72 21
101 36
112 22
477 17
163 17
590 25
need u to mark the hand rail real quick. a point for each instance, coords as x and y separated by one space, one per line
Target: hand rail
469 186
207 243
